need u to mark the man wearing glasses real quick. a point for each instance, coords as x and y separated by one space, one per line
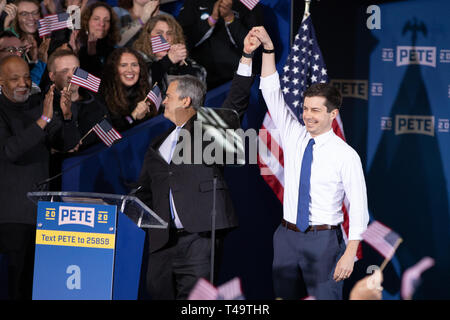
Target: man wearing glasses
11 45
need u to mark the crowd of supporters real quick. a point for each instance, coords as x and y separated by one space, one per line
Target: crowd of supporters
113 42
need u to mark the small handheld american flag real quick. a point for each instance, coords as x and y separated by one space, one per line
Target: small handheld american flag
412 277
250 4
59 21
53 22
159 44
154 96
204 290
106 132
86 80
382 239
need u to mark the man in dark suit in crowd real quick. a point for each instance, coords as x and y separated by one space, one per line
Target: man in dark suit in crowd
183 193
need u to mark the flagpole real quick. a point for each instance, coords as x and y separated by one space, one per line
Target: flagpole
86 135
386 261
306 12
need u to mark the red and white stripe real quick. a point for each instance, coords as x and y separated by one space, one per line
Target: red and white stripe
107 137
44 28
91 83
231 290
250 4
203 290
158 45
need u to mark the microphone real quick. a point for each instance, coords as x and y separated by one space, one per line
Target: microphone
135 190
39 186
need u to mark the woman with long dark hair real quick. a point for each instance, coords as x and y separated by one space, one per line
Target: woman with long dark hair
125 87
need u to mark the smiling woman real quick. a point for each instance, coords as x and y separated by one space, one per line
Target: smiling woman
23 16
125 86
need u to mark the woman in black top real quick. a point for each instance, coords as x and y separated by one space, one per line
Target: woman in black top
97 37
125 86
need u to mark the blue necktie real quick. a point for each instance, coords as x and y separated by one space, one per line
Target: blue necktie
305 183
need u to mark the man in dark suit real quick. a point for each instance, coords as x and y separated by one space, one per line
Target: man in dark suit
182 193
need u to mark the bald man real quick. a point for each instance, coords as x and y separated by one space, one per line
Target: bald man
25 131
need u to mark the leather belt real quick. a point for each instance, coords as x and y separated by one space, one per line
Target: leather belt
320 227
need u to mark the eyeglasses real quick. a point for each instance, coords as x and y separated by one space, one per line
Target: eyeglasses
13 50
25 14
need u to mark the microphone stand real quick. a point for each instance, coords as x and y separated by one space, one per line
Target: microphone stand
213 230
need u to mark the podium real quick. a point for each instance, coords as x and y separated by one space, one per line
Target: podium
89 246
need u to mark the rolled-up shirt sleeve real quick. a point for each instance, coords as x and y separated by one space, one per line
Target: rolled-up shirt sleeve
279 112
355 190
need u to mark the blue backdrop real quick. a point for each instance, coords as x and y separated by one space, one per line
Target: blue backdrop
395 114
408 141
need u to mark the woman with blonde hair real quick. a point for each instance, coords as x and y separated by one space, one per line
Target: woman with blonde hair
174 61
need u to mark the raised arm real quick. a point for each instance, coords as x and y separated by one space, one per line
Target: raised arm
239 95
270 86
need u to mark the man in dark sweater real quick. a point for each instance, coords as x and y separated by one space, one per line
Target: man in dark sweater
25 128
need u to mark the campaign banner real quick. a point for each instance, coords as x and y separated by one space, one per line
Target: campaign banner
408 135
74 256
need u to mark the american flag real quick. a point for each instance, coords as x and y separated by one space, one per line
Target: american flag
86 80
232 290
250 4
382 239
58 21
155 96
43 28
304 66
106 132
159 44
411 277
204 290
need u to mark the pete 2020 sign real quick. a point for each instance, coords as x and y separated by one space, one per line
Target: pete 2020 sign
74 256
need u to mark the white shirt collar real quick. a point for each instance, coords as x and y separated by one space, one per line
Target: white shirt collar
321 138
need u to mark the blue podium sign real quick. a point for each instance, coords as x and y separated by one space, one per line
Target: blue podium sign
75 251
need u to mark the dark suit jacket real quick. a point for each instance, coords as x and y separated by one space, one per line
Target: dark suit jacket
191 184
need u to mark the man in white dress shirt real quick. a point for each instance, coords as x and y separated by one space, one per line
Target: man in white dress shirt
310 255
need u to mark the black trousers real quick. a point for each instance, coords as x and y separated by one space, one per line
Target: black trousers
17 243
173 271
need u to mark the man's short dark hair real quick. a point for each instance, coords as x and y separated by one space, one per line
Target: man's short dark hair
329 92
58 54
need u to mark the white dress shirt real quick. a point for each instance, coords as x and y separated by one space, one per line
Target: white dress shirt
336 170
166 151
166 147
